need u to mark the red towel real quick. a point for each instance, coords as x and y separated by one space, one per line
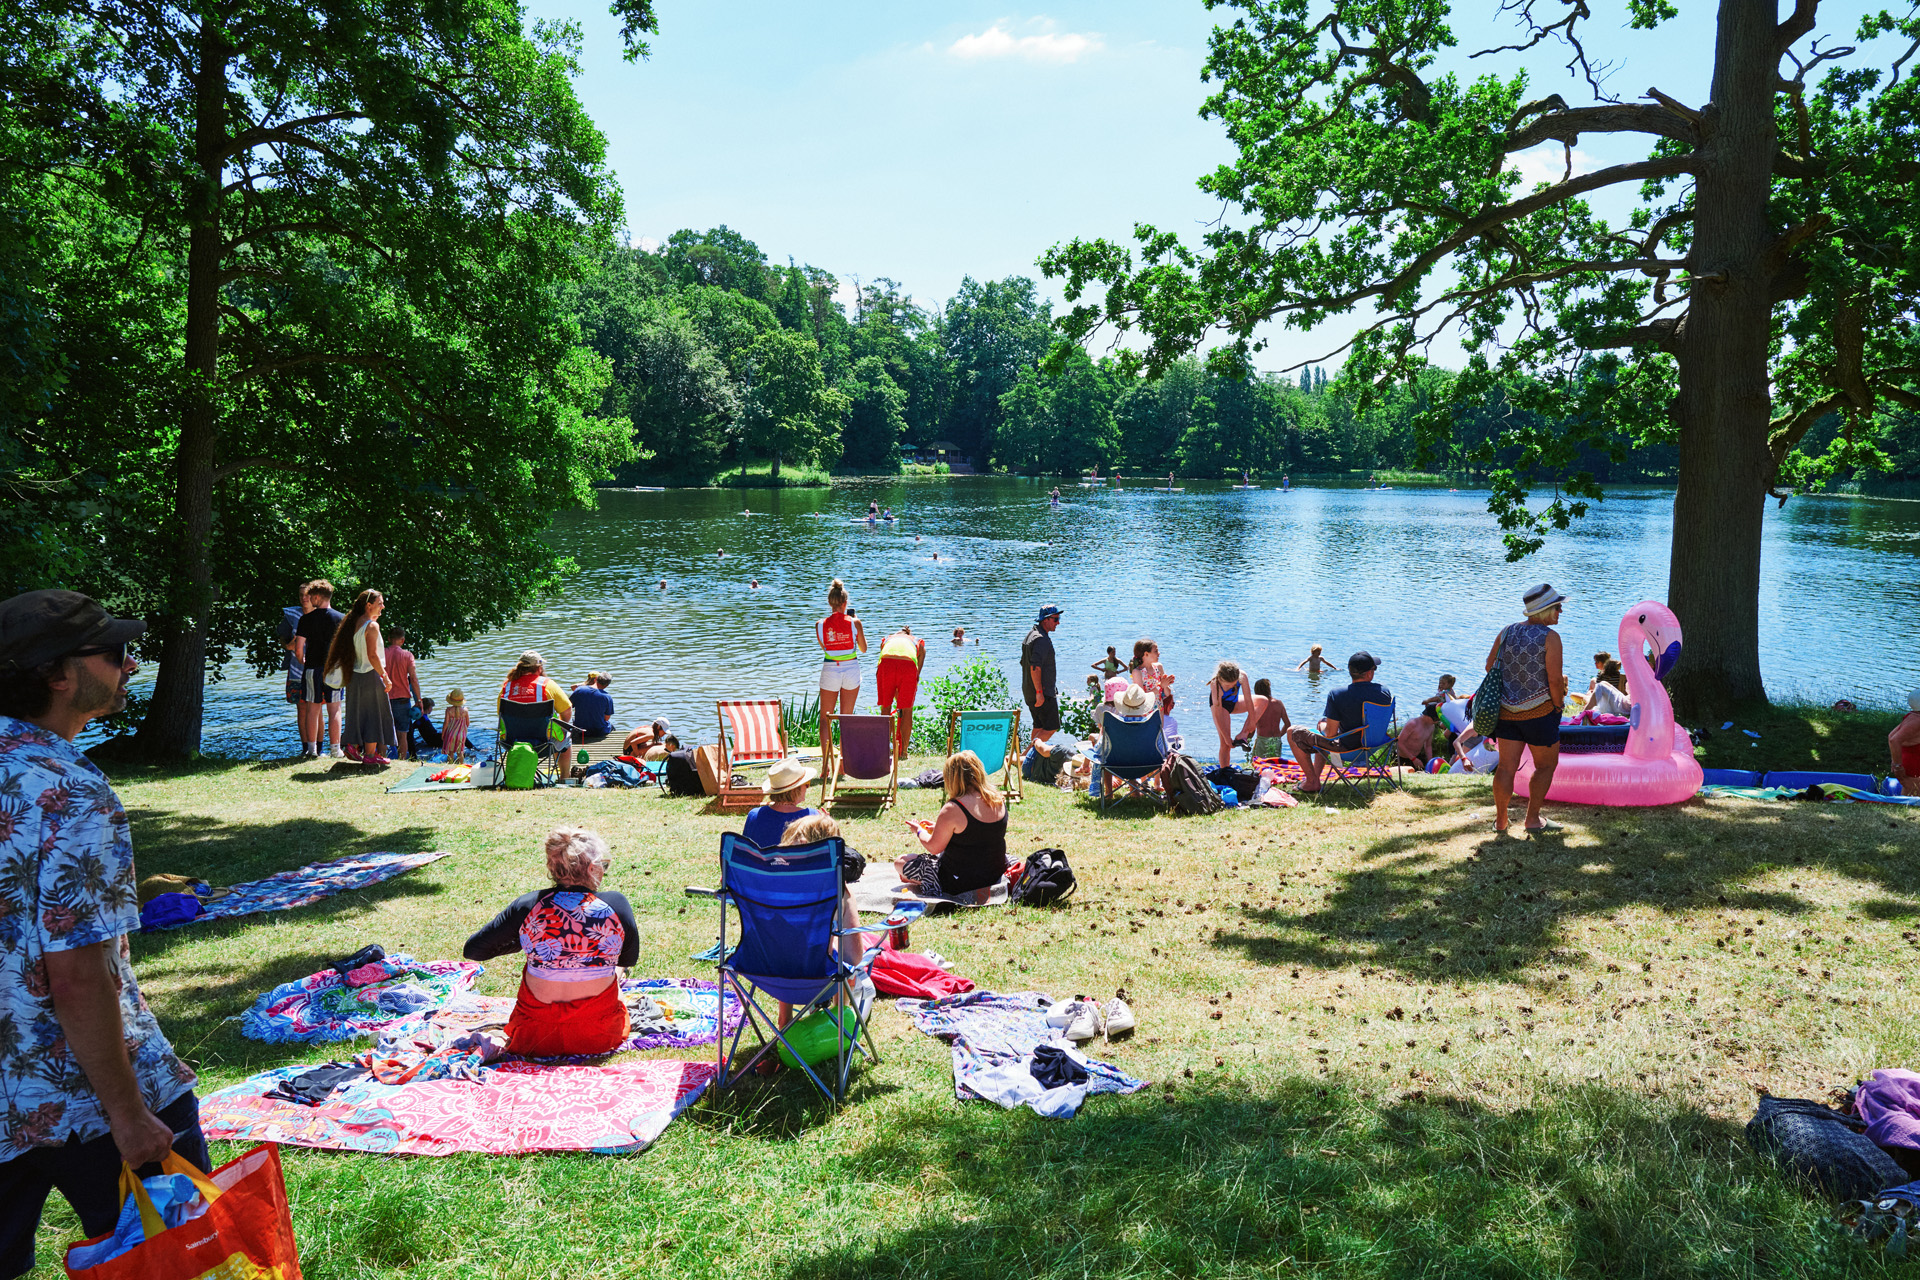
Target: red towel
907 973
538 1029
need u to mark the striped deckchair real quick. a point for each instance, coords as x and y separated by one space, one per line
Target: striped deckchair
751 733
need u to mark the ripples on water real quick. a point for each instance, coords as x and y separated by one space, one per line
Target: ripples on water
1418 577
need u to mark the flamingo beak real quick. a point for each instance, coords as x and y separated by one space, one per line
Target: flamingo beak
1666 652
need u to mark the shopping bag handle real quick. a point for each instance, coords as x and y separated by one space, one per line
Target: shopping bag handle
130 1185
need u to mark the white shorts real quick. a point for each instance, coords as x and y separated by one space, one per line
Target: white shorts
836 676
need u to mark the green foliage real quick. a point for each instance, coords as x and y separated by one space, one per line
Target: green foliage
790 412
975 683
801 716
876 420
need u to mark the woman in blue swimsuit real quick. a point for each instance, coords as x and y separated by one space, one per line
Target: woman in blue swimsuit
1228 694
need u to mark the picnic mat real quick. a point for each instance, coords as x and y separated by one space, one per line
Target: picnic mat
992 1030
879 889
330 1005
483 776
666 1013
285 890
514 1108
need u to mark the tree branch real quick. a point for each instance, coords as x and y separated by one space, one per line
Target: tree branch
1798 23
287 132
1621 117
1785 432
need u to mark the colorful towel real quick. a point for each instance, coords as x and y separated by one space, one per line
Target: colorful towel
285 890
330 1005
990 1030
667 1013
517 1107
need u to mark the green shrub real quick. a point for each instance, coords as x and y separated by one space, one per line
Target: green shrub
973 684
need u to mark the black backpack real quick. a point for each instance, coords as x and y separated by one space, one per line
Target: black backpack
683 779
1047 879
1187 789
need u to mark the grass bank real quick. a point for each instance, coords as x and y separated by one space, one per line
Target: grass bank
1800 735
1382 1043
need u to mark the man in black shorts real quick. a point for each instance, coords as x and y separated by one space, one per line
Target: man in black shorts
319 703
1343 723
1037 680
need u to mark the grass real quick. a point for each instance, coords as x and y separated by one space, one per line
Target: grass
1382 1044
759 475
1801 736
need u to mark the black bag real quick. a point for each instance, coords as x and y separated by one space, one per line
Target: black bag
1822 1146
683 778
1046 879
1187 788
1243 781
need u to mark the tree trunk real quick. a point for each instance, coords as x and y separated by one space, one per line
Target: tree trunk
1724 400
775 476
172 724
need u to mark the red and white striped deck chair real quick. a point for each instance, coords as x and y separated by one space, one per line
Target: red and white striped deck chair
751 733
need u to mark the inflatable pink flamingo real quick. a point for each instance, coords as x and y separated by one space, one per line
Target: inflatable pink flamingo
1658 765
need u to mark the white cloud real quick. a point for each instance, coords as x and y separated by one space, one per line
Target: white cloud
1044 46
648 244
1548 163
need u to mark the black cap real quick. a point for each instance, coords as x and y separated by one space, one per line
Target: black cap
39 626
1362 661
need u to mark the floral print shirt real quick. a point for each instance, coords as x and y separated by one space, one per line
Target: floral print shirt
66 882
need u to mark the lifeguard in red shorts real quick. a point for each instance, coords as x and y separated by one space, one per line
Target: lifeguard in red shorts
897 678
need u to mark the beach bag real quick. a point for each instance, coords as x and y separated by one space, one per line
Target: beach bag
1823 1147
1242 782
707 761
815 1038
683 779
335 677
520 771
1486 699
245 1230
1044 880
1186 788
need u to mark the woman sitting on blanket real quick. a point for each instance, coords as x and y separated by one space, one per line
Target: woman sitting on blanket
966 844
577 938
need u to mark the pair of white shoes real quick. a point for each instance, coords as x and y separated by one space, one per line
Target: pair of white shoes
1081 1019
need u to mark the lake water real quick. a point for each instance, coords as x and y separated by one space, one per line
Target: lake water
1418 577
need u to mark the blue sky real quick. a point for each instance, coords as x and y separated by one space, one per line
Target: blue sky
927 143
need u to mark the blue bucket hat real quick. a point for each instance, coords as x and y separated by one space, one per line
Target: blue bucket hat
1048 611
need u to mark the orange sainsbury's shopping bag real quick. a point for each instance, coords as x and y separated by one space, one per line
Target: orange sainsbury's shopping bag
245 1234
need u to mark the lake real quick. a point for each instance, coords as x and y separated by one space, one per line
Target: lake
1416 576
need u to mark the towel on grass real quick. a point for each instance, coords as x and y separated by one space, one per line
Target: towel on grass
994 1036
330 1005
877 891
516 1107
285 890
666 1013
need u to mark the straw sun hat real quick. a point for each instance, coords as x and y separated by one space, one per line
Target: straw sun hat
1134 702
787 774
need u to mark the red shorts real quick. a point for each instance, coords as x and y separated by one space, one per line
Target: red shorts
595 1025
897 680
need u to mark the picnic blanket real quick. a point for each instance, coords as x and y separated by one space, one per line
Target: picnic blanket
515 1107
285 890
992 1032
421 778
880 888
666 1013
330 1005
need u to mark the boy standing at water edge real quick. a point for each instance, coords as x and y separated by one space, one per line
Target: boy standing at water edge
1037 677
89 1079
311 640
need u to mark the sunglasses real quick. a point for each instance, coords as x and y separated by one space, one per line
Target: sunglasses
118 652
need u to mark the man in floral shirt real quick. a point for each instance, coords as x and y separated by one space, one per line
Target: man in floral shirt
86 1078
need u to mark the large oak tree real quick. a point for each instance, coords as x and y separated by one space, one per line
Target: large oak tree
1767 275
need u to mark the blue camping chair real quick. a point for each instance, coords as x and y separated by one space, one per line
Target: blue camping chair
789 905
535 724
1376 761
1131 751
994 736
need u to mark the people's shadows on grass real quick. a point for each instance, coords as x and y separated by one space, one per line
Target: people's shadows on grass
225 852
1506 905
782 1106
1307 1176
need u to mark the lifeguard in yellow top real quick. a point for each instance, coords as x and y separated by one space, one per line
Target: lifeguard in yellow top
842 640
897 679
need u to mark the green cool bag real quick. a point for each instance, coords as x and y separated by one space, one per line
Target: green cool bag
521 769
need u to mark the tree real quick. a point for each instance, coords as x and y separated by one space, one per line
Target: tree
991 332
721 258
674 388
790 411
367 208
1769 275
874 423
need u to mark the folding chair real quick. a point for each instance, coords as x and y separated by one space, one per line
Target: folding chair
758 737
1131 751
864 751
994 736
789 905
1376 761
535 724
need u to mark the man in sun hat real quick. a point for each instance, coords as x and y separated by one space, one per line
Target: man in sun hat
89 1078
1343 720
786 791
1904 744
1037 680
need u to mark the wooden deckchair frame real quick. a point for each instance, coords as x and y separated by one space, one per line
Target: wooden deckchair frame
732 760
830 789
1010 780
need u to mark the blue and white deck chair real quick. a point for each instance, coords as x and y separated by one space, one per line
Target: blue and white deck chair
994 736
789 905
1131 751
1376 761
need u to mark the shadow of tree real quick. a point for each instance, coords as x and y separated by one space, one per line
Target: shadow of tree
1403 902
1304 1176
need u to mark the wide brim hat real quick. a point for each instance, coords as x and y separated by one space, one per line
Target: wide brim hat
787 774
1134 700
1540 598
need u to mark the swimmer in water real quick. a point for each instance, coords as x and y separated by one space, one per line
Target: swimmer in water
663 584
959 635
1055 499
754 585
916 537
936 556
722 553
746 511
